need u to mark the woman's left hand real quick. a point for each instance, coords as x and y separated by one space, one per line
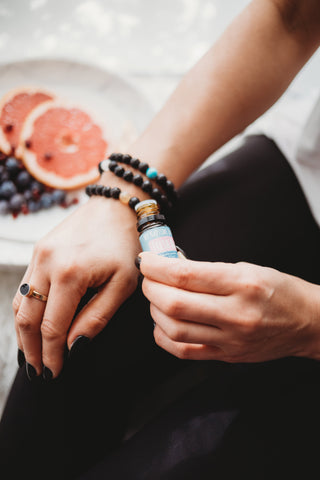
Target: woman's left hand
230 312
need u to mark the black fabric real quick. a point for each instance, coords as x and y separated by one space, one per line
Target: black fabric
199 420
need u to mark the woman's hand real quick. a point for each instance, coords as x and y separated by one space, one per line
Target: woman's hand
230 312
93 247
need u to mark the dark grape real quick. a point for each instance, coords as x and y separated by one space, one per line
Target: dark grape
5 175
16 202
46 200
58 196
13 166
28 195
4 207
23 179
22 193
37 187
7 189
34 206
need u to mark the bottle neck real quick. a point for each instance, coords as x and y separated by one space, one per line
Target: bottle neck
148 219
151 224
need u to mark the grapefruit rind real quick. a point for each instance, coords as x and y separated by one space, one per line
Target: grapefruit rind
29 158
5 145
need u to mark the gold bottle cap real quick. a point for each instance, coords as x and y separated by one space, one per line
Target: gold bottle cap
144 203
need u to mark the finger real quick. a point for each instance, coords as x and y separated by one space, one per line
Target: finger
97 313
187 332
186 351
192 306
29 318
207 277
62 303
17 301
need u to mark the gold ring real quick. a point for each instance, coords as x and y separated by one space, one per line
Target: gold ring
27 290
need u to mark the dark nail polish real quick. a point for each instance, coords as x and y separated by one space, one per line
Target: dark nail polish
78 345
47 374
21 358
137 262
31 371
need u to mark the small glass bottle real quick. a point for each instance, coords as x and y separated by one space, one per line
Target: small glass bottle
155 235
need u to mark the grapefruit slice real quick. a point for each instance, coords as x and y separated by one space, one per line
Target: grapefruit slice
14 108
61 146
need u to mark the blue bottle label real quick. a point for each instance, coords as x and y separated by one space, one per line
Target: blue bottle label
159 240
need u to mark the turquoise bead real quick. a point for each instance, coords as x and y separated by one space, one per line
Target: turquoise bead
151 173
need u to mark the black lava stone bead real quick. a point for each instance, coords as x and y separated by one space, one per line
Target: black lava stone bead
106 192
112 165
156 193
147 186
126 158
135 162
161 179
137 180
115 192
133 202
99 189
143 167
119 171
128 176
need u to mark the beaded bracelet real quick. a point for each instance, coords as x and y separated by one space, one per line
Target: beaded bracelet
151 173
112 192
145 185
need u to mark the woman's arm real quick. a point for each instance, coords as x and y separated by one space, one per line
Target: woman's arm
238 79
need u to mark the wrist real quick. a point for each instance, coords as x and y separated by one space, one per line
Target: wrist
310 321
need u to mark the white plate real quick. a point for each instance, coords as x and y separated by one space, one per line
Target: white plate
119 109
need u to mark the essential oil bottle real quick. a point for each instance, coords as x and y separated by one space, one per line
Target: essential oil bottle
155 235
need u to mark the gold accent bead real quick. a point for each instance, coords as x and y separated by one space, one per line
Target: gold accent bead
124 197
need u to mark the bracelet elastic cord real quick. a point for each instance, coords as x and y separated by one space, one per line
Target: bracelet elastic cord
112 192
167 186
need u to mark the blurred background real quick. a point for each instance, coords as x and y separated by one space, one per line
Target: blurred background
149 44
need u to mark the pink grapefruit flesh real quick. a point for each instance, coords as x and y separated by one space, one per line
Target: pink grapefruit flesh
14 109
62 146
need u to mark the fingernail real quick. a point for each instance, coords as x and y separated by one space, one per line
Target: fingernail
78 345
181 253
31 371
137 262
47 374
21 358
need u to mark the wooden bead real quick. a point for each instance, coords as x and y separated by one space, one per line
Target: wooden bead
124 197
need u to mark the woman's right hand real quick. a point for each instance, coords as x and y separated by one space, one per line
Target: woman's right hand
94 247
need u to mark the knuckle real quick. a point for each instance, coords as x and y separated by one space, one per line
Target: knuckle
250 325
24 323
176 333
49 330
15 305
174 308
183 351
68 272
251 282
159 338
97 322
42 251
182 275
